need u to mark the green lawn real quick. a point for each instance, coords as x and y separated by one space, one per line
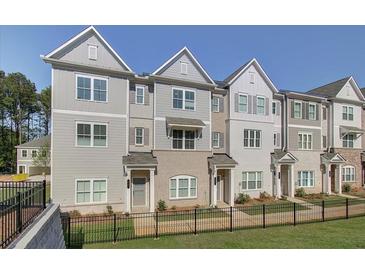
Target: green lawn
333 234
282 206
189 215
360 194
7 193
332 201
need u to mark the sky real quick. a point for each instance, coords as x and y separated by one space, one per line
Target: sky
295 57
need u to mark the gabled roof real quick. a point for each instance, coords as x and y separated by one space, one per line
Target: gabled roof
184 50
333 157
231 78
140 158
221 159
283 156
82 34
331 89
45 140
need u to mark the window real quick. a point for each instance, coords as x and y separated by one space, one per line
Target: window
24 153
184 68
251 180
242 103
183 187
347 113
34 153
324 141
297 110
312 112
215 104
91 88
183 99
178 98
139 95
275 139
305 141
189 100
348 174
348 141
90 191
261 105
274 106
91 134
183 139
251 138
215 139
306 178
139 135
93 52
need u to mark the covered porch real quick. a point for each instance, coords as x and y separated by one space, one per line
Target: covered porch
221 168
331 166
282 167
139 169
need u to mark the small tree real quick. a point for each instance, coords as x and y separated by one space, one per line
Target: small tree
43 158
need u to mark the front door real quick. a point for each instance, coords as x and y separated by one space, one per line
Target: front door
284 179
333 178
21 169
139 192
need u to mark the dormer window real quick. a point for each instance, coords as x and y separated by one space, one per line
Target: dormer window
184 68
93 52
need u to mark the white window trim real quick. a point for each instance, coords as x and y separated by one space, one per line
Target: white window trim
301 176
311 143
218 98
186 68
183 100
218 139
344 174
253 189
136 101
257 105
92 88
183 140
135 136
96 52
92 190
301 110
243 95
26 152
348 113
92 133
177 188
315 111
255 137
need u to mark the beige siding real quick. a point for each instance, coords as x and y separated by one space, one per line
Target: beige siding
219 120
294 139
146 124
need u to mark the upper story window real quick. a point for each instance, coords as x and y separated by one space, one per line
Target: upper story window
91 88
348 174
252 138
297 110
252 77
24 153
183 187
215 104
139 95
312 111
305 178
347 113
34 153
139 135
93 52
274 108
260 105
183 139
183 99
242 103
305 141
215 139
91 134
184 68
348 140
251 180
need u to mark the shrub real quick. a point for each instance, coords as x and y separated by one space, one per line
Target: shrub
346 187
300 192
264 195
161 205
173 207
74 213
109 209
242 198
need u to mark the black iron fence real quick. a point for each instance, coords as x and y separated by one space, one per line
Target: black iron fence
20 204
80 230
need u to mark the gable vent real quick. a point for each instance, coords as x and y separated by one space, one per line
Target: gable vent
93 52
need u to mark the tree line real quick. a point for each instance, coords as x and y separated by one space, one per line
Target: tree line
25 115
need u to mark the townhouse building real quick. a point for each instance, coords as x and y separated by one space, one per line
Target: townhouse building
176 135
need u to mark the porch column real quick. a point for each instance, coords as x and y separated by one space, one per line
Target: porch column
328 178
152 190
292 182
214 186
339 184
128 192
278 181
231 187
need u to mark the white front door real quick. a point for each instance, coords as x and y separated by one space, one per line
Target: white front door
139 192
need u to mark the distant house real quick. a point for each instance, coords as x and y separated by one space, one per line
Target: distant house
27 151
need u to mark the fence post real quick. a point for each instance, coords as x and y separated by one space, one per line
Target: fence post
69 231
231 220
295 215
195 221
322 210
44 194
347 208
115 227
263 216
18 212
156 236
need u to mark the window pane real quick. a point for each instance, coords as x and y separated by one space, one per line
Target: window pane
99 185
99 135
173 188
177 98
183 187
99 197
192 187
189 95
84 134
83 88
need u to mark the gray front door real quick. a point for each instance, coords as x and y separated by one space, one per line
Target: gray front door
139 192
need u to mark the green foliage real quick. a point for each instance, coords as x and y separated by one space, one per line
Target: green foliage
242 198
346 187
109 209
264 195
300 192
43 158
161 205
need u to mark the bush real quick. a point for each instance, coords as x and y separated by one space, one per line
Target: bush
264 195
242 198
161 205
346 188
109 209
173 207
74 213
300 192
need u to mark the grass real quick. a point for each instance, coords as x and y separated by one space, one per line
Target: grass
276 207
360 194
189 215
331 201
7 193
333 234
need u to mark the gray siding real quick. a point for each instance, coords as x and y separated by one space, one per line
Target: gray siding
305 120
147 124
294 139
141 111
